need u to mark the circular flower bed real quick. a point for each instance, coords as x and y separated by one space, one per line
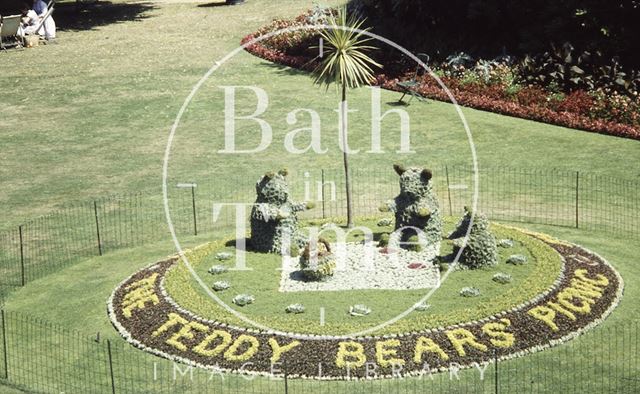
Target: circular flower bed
586 292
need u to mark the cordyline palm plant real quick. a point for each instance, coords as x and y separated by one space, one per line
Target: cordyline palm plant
345 63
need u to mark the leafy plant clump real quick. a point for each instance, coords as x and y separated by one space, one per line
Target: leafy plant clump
220 285
502 278
295 308
506 243
243 299
359 310
469 292
218 269
317 262
222 256
517 259
421 307
481 249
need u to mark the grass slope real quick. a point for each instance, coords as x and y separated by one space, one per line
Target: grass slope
91 115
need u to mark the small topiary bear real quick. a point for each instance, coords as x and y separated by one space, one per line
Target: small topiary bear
274 215
317 263
416 206
481 249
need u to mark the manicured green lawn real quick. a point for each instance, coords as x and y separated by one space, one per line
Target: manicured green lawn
91 115
85 287
447 306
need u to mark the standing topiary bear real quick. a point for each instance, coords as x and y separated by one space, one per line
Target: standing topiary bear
416 206
274 215
481 250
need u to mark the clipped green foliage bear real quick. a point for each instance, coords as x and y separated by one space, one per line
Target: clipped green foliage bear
274 215
317 263
416 206
481 249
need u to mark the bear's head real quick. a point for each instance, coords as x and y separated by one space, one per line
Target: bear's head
273 188
414 182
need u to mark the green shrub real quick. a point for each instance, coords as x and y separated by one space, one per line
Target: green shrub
319 264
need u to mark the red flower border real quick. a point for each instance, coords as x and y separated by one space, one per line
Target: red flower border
430 89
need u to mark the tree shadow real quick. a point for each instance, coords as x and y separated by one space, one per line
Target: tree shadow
101 13
214 4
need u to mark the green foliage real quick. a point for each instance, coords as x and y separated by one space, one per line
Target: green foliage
295 309
417 205
318 264
517 259
218 269
502 278
359 310
344 61
274 216
220 285
469 292
480 250
243 299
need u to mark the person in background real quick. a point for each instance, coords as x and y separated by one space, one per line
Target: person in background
30 21
40 8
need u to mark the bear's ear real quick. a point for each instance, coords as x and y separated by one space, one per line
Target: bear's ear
269 175
426 175
283 172
399 168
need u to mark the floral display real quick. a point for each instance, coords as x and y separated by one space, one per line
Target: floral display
295 308
469 292
243 299
220 285
359 310
502 278
583 295
222 256
484 86
218 269
517 259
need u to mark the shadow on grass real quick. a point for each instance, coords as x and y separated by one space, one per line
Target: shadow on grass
101 13
214 4
284 70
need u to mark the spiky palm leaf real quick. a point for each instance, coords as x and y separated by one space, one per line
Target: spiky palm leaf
344 60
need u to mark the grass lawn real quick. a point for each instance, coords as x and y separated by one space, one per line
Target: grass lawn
91 115
447 306
85 287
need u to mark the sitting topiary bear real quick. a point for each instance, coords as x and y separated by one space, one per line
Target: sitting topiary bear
274 215
481 249
416 206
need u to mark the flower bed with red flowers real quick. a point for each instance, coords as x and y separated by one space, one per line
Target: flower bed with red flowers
600 111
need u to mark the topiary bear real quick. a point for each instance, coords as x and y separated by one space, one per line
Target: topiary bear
481 249
274 215
416 206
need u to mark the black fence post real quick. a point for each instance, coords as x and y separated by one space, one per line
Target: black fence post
193 205
286 378
322 196
95 212
496 373
113 382
4 344
22 271
446 170
577 199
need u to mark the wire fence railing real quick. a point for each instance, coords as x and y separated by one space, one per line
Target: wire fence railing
45 358
563 198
